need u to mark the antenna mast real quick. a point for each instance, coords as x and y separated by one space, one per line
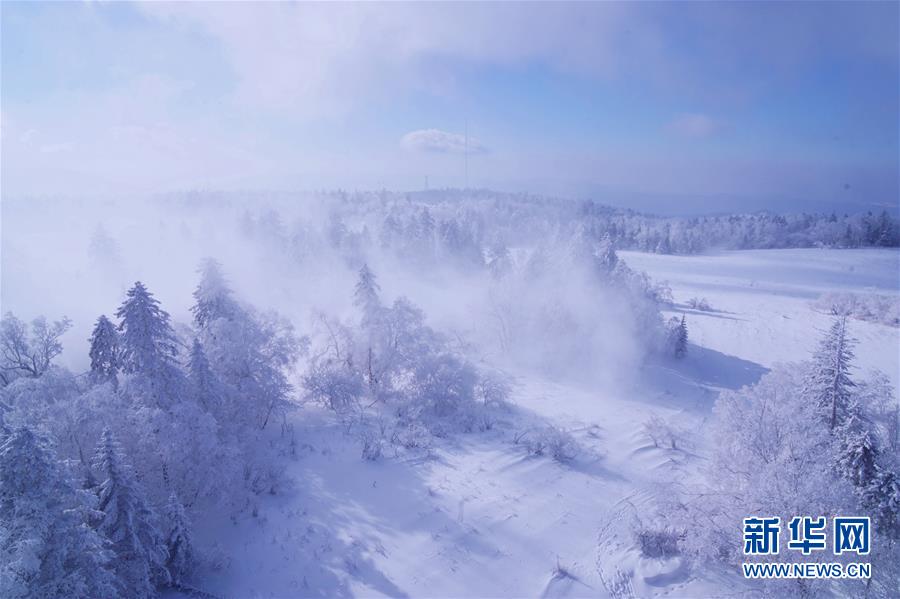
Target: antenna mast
466 153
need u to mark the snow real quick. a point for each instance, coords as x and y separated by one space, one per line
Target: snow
761 300
479 517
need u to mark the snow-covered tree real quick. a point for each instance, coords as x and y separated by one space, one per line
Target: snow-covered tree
857 453
606 254
248 353
443 392
251 353
335 384
41 401
24 353
681 339
195 457
365 294
677 337
47 548
148 342
179 543
882 498
366 298
202 378
771 452
104 352
149 347
879 406
871 471
128 521
213 297
767 459
829 386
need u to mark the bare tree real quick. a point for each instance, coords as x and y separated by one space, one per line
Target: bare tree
29 354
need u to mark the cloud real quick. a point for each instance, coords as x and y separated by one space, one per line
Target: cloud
694 125
436 141
309 60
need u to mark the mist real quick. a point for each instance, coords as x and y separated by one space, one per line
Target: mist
277 255
447 300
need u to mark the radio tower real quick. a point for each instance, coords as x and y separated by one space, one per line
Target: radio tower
466 154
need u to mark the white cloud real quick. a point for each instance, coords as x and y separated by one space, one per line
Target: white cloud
310 59
442 142
694 125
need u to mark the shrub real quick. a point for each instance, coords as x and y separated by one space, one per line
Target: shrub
334 385
552 441
699 303
658 542
372 444
664 434
872 307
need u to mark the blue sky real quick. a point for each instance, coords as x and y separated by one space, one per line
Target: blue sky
662 106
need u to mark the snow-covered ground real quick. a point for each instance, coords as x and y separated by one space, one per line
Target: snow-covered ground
480 518
761 300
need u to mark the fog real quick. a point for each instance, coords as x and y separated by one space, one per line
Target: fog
352 299
77 257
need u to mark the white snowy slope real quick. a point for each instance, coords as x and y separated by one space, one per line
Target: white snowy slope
479 518
761 300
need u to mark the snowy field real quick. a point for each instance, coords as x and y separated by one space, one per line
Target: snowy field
480 518
449 300
761 300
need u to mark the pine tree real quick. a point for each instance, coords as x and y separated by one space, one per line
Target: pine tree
366 291
606 254
882 498
148 341
213 297
148 346
681 339
129 522
201 376
857 453
830 386
104 351
366 298
178 542
861 461
47 550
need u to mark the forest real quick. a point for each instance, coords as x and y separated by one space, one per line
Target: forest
110 458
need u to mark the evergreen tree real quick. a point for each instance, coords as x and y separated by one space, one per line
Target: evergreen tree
178 541
104 351
857 453
830 386
861 461
148 346
882 498
201 376
366 290
213 297
885 237
129 522
365 295
148 341
677 337
606 254
47 550
681 340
